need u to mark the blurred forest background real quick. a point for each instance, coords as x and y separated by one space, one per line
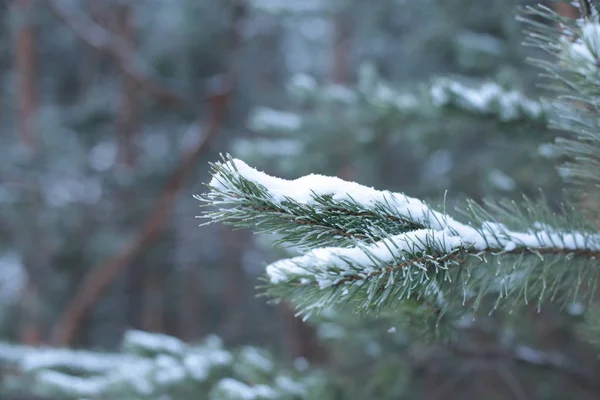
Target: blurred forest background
111 110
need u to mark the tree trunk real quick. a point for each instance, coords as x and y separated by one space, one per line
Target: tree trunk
128 112
153 297
30 330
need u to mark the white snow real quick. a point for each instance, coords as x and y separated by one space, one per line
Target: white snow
268 119
103 156
328 265
502 181
292 7
257 359
200 362
154 342
235 390
303 83
487 98
583 53
13 277
74 385
340 94
169 371
290 386
32 359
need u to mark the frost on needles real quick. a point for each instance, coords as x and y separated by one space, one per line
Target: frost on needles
375 249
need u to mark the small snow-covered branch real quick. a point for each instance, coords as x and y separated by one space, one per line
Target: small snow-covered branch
308 189
430 241
488 98
331 266
582 53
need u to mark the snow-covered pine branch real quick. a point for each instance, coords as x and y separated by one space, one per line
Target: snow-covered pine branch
487 99
374 248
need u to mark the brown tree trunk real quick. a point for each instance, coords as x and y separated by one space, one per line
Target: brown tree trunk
566 10
235 242
341 49
128 111
300 339
153 295
30 329
234 281
25 66
190 310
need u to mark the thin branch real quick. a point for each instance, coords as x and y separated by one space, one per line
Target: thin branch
454 257
98 279
104 41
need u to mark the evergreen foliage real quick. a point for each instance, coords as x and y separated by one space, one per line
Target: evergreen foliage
376 250
410 296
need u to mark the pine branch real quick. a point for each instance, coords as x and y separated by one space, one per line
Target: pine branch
487 99
306 219
576 46
413 252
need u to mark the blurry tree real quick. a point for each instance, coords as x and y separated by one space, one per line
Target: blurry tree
127 98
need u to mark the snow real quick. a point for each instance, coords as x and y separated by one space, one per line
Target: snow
257 359
156 343
502 181
74 385
293 7
288 385
169 371
303 83
268 119
583 53
488 98
547 150
300 364
13 277
235 389
339 94
304 189
103 156
200 362
328 265
32 359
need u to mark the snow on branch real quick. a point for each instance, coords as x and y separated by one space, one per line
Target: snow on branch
488 98
155 366
416 244
581 49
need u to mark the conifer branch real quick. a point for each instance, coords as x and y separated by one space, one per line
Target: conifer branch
412 252
576 45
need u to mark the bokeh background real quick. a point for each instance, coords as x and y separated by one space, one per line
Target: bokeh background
111 110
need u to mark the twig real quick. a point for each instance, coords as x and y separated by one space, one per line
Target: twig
102 40
96 281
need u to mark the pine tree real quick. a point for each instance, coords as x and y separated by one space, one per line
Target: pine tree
384 253
382 273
